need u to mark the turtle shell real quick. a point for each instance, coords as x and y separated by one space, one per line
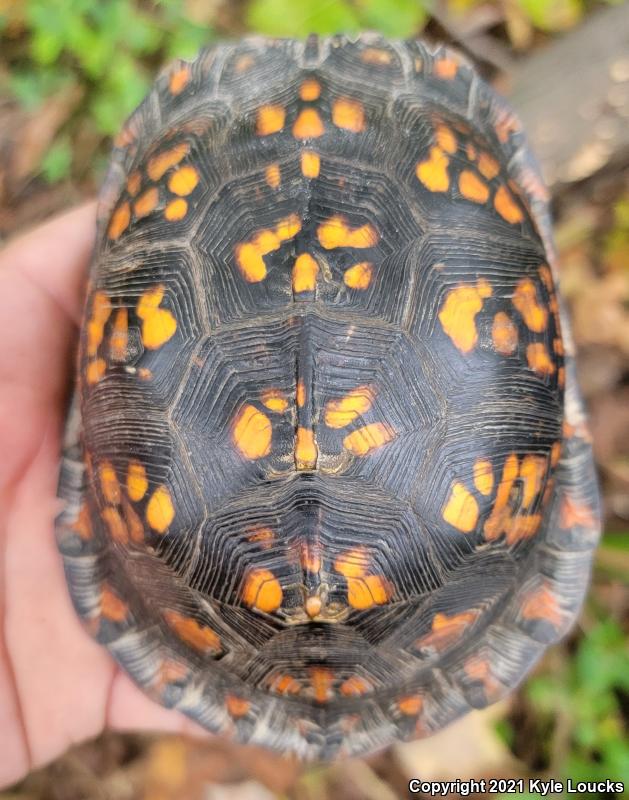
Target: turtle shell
328 478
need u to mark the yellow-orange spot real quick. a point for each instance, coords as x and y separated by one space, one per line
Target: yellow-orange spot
363 593
555 454
301 394
353 563
83 524
146 202
506 206
145 374
306 451
446 139
183 180
362 441
160 510
472 187
115 524
137 482
179 80
321 680
359 276
461 509
308 125
135 526
262 591
111 606
310 164
470 151
176 210
313 606
109 483
488 166
499 517
249 254
95 370
119 221
410 705
355 686
558 347
348 114
274 400
252 432
305 270
270 119
134 182
262 536
341 412
445 68
433 172
542 604
158 324
197 636
574 513
525 300
101 309
458 314
446 630
483 476
310 90
159 165
272 175
504 334
373 55
335 232
285 684
244 63
522 526
539 359
169 672
119 340
443 621
532 473
237 706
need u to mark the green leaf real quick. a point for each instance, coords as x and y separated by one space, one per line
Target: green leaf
288 18
57 162
552 15
393 17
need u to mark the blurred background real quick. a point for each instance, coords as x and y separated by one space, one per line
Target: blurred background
71 70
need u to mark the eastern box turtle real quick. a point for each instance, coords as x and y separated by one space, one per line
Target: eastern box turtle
328 478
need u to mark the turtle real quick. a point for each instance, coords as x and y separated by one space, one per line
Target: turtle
327 477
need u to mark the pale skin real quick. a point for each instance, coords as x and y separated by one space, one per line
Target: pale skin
57 687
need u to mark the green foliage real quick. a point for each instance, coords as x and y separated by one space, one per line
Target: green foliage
552 15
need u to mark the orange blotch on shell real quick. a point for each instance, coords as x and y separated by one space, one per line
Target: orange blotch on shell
373 55
504 334
95 370
359 276
119 341
362 441
472 187
532 473
176 210
134 183
573 513
159 164
270 119
137 482
479 669
433 172
135 527
342 411
542 604
488 166
308 125
249 255
305 271
169 672
237 706
310 164
111 606
445 68
310 90
262 591
109 483
336 232
458 314
555 454
272 175
525 300
285 685
146 203
158 324
539 359
446 138
353 563
244 63
101 310
179 80
546 277
321 680
160 510
506 206
355 686
306 451
411 705
83 523
310 558
521 527
300 394
115 524
119 221
274 400
252 433
198 637
363 593
461 509
183 181
499 517
441 622
446 630
262 536
348 114
558 347
483 476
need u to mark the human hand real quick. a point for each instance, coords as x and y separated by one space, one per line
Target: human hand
57 687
